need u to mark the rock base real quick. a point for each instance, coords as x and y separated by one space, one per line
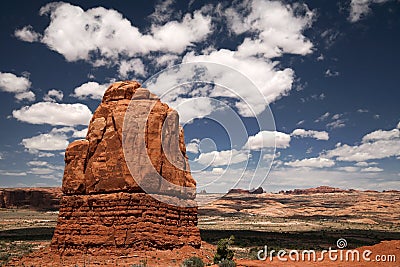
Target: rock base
123 221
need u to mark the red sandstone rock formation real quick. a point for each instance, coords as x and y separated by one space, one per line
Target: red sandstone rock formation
97 164
320 189
258 190
31 198
103 207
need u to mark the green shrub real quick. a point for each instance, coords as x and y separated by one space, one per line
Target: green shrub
223 251
193 262
227 263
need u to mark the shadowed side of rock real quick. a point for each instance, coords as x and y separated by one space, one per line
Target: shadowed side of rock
103 207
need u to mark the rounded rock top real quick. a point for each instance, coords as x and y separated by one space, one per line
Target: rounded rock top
127 90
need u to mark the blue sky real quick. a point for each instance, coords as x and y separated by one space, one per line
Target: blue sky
328 69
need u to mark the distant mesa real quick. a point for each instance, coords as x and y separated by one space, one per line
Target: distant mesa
40 198
103 208
317 190
258 190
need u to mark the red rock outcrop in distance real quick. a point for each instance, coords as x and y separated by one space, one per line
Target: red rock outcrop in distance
103 207
41 198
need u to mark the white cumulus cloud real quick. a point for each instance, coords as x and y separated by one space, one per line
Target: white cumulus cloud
222 158
80 134
319 135
91 90
349 169
54 114
193 146
372 169
53 96
134 66
381 135
19 86
272 82
311 163
375 145
27 34
55 140
268 139
277 28
48 142
102 36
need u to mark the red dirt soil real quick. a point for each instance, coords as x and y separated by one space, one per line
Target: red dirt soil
383 248
175 258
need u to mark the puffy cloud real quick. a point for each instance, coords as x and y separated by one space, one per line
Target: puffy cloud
375 145
91 90
372 169
27 34
319 135
53 96
269 22
48 142
45 154
191 108
19 86
366 151
272 82
365 164
54 114
102 36
381 135
80 134
349 169
176 36
267 139
134 66
193 146
311 163
222 158
360 8
38 163
56 139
